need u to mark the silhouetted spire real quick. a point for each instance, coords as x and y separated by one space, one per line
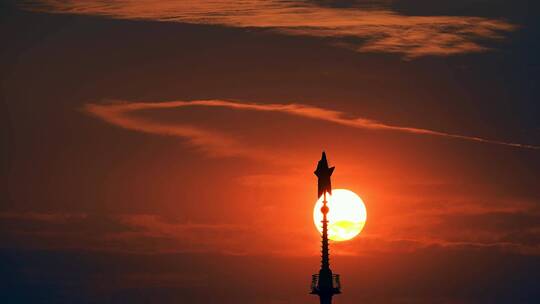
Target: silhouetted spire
323 173
325 284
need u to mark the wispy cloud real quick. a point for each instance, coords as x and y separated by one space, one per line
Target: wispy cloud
213 142
209 141
512 231
145 233
466 225
379 30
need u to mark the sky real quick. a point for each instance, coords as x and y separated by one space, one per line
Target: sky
163 151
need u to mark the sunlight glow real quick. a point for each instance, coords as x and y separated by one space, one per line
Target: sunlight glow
346 217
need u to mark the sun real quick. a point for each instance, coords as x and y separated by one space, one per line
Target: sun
346 216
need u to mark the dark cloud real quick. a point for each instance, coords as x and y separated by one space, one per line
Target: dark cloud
383 30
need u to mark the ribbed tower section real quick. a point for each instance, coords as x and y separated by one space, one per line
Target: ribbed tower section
325 284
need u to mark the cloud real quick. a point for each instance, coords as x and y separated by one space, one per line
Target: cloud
210 141
215 143
147 233
502 224
378 29
471 225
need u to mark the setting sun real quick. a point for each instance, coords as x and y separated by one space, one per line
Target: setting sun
346 217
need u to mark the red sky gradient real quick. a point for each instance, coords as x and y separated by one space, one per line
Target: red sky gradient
163 152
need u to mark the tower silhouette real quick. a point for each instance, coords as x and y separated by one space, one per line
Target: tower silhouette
325 284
